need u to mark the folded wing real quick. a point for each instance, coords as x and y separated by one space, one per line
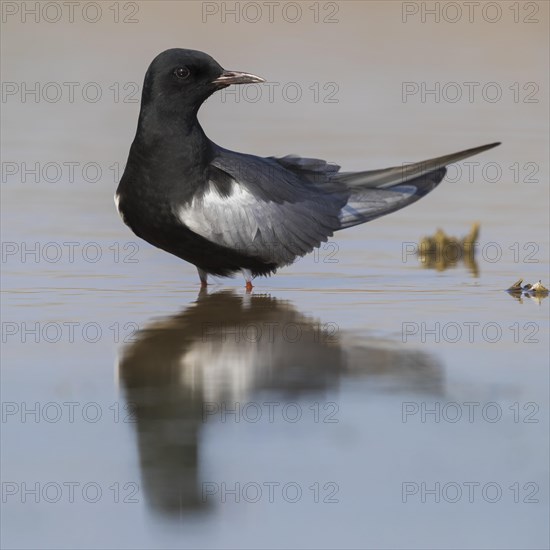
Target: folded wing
277 209
258 207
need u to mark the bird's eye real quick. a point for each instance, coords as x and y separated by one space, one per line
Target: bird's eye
182 72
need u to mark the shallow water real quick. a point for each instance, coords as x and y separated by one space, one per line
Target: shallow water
356 399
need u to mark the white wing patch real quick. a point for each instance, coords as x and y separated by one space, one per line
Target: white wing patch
221 218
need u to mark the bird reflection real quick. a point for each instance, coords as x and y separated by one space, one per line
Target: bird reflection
226 349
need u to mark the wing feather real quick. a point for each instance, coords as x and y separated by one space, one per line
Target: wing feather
260 206
277 209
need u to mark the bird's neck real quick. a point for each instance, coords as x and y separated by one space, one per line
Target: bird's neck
169 154
172 139
157 126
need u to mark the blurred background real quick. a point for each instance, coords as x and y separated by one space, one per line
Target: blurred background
363 397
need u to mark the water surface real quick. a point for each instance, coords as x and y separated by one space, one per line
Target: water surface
356 399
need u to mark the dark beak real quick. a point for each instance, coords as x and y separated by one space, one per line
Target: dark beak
233 77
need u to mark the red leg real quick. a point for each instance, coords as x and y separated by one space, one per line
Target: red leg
203 277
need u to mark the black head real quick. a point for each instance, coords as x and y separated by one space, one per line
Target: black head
181 80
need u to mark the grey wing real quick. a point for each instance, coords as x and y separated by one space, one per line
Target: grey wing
260 207
280 208
368 204
376 193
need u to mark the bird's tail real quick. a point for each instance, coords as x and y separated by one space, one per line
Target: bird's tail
376 193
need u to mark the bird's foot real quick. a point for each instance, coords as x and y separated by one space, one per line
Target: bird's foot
248 278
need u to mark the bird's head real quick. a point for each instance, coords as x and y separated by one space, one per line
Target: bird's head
181 80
